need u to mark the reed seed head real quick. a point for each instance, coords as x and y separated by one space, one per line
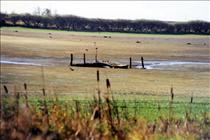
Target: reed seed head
172 94
108 85
25 86
98 77
5 89
191 100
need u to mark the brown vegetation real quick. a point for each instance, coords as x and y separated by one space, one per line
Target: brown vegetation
55 120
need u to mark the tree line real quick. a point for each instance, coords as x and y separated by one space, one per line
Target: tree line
75 23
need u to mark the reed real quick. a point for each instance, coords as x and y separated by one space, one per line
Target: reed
16 107
171 103
77 106
125 110
114 102
26 95
108 87
15 99
98 87
45 111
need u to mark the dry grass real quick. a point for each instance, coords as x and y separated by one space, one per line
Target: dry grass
101 120
82 80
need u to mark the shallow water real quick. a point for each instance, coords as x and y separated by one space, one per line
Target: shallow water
172 64
19 63
158 64
34 61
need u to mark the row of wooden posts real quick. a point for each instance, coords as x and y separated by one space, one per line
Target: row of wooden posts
96 61
71 61
142 63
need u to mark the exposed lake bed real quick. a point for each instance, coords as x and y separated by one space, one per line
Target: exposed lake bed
149 64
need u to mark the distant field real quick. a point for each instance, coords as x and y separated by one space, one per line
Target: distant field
50 43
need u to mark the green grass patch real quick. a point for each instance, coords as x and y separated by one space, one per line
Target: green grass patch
115 34
147 109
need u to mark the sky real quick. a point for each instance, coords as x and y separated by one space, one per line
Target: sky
155 10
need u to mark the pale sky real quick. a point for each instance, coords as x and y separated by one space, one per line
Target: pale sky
157 10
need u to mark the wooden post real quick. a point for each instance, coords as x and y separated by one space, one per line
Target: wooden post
84 58
130 62
142 62
96 56
71 61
